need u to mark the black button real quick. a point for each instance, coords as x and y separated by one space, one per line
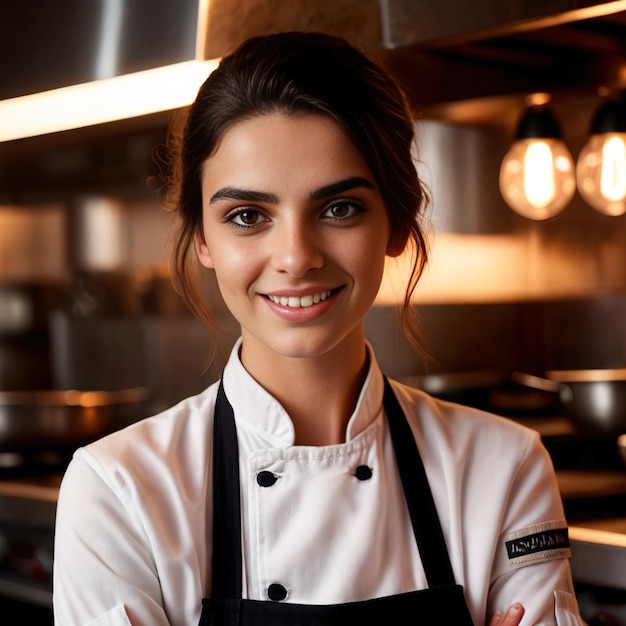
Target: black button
266 479
363 472
276 592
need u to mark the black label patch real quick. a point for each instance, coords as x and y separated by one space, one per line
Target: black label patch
542 541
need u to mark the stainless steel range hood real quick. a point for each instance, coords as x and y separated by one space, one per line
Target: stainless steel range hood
71 63
74 64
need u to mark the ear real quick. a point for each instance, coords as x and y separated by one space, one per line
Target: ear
396 245
202 250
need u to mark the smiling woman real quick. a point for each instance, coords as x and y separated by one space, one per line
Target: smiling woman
308 227
305 488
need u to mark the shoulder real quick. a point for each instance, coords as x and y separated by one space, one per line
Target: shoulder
428 409
170 439
463 431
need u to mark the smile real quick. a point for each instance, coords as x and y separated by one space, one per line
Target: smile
295 302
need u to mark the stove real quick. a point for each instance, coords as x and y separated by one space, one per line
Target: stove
28 496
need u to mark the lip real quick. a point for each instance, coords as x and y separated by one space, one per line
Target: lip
300 293
302 314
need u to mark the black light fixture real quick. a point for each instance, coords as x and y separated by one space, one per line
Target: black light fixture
601 165
537 175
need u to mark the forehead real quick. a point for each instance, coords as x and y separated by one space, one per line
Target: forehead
284 147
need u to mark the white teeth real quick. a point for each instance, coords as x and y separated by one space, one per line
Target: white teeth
300 303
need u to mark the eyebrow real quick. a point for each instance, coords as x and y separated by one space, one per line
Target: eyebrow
341 186
248 195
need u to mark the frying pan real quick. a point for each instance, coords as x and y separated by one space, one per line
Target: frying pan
594 399
491 390
52 419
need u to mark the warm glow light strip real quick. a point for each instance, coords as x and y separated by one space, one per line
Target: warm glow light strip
592 535
122 97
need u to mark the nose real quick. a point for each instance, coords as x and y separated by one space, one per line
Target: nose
296 248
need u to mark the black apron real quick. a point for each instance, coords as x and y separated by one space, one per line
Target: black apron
442 604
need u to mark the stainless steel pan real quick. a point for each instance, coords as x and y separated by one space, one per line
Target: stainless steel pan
594 399
491 390
54 418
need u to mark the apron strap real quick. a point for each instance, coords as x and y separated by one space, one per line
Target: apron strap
426 526
226 509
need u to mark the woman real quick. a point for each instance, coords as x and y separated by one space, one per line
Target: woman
304 487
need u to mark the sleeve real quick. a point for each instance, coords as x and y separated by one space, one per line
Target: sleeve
532 556
103 569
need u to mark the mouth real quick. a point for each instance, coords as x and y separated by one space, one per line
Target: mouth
296 302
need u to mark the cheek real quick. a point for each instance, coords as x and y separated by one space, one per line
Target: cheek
365 257
235 268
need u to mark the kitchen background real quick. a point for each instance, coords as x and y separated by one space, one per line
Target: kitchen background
85 297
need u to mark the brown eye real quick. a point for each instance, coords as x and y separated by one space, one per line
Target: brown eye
247 217
342 210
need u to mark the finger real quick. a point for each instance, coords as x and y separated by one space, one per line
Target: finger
513 616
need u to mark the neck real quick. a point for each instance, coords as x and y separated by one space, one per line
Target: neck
319 393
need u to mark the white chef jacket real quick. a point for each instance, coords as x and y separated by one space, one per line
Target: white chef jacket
134 523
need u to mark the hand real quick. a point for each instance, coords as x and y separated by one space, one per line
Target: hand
512 617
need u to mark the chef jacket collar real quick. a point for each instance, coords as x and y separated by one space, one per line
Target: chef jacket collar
260 411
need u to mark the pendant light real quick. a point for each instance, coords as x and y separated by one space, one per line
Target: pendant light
601 166
537 175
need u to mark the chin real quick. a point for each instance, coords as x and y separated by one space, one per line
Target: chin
294 345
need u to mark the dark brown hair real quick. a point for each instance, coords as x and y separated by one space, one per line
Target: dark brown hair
298 73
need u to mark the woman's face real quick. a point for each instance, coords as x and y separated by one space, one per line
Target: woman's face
296 231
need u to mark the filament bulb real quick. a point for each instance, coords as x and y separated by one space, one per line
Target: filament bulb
537 178
601 173
537 175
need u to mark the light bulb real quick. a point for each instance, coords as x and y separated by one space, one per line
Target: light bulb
537 178
601 166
